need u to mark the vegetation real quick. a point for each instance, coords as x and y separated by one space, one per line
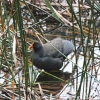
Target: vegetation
22 21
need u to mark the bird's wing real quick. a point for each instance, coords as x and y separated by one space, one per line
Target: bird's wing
49 50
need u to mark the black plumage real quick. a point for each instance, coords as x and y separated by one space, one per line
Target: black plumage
38 49
64 46
48 63
47 58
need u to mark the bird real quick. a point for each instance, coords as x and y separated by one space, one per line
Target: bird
46 57
41 62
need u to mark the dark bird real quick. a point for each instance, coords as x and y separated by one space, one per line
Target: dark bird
46 57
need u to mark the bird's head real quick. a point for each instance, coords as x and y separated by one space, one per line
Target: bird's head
36 45
38 48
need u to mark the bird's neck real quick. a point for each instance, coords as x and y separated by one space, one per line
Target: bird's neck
40 52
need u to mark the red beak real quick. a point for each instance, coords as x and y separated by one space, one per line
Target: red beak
31 46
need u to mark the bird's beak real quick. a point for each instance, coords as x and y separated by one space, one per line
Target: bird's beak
31 46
